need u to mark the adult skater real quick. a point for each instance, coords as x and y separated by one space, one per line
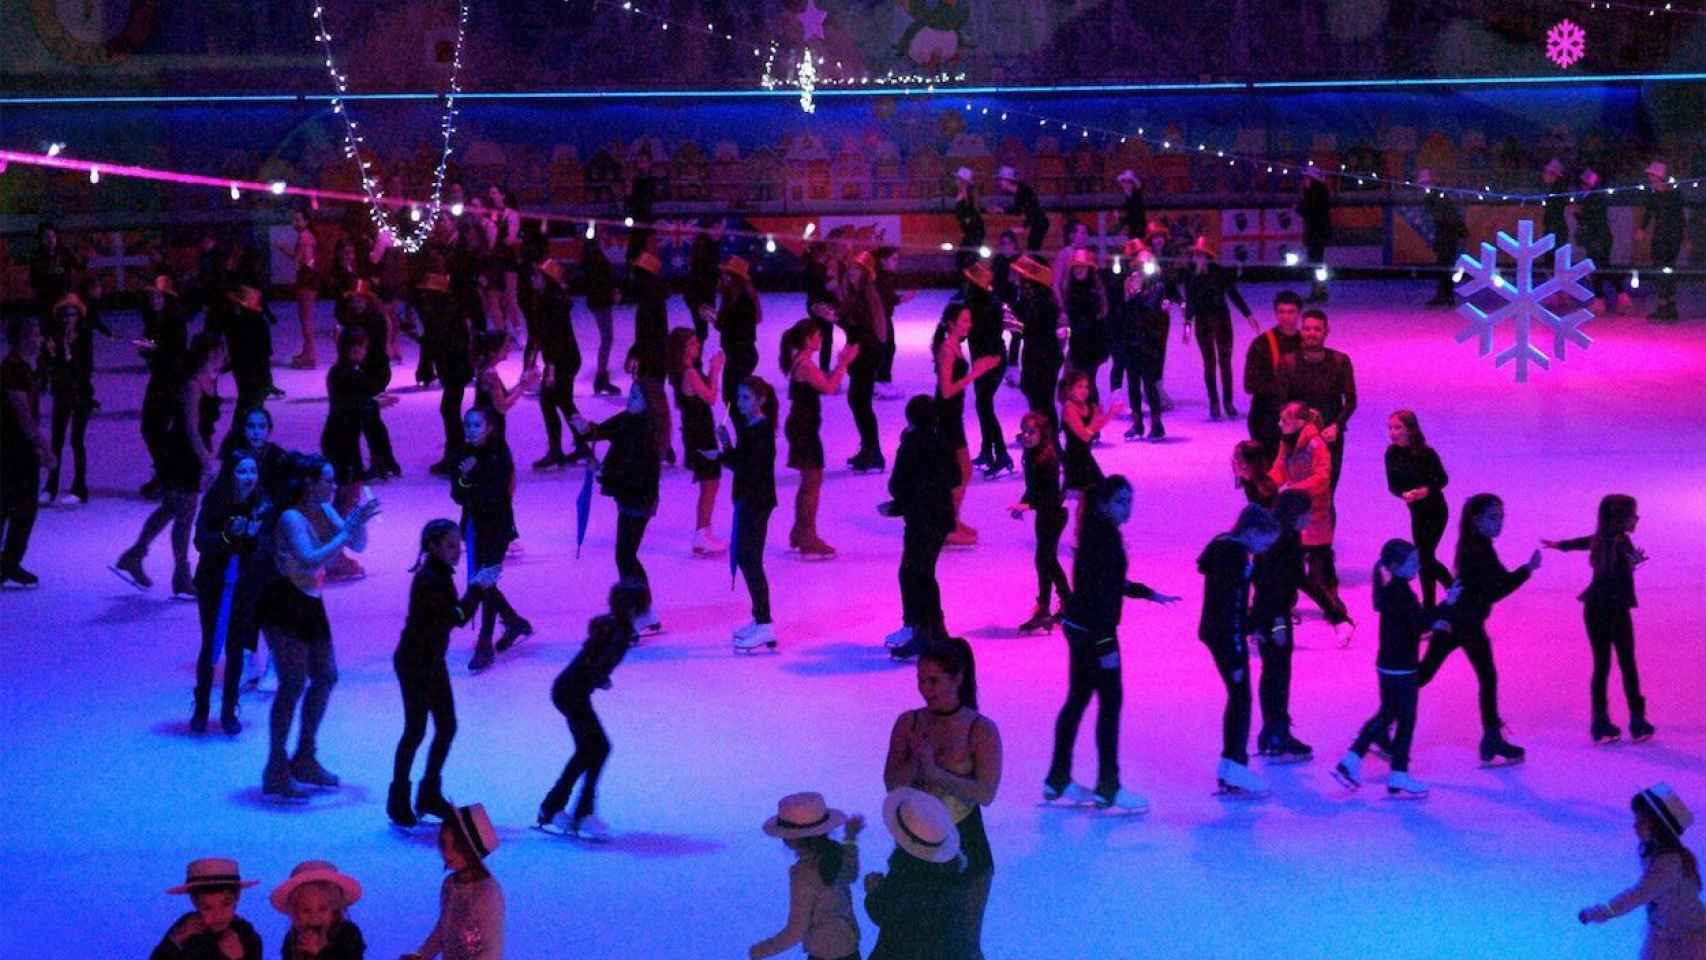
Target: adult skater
1091 622
1606 606
598 286
821 300
922 487
1262 366
229 574
953 376
985 340
23 447
310 533
970 220
1593 235
1304 463
629 475
608 638
1141 338
863 319
444 344
1077 234
695 398
949 750
1670 880
1134 218
1024 206
435 609
242 319
165 337
1449 231
1662 222
1039 317
350 390
304 255
703 277
806 386
189 440
1207 288
1043 497
1224 628
484 486
1484 581
54 268
752 458
1086 306
1415 475
738 317
651 333
551 325
888 279
1315 208
69 359
1324 379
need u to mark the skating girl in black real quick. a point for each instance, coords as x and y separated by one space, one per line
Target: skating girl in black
1142 334
485 487
1043 497
1404 624
1485 581
922 486
953 377
629 475
987 323
806 387
646 357
349 393
1277 579
1086 315
1039 314
598 285
164 339
228 578
865 323
1207 288
434 611
1224 628
1415 476
753 459
1092 622
254 442
695 398
738 317
360 309
608 638
1083 419
490 394
550 326
1606 605
69 362
444 342
188 443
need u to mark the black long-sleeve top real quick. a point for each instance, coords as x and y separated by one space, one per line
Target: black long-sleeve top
216 543
1040 313
1593 227
986 323
703 272
737 322
343 942
752 457
597 282
165 329
205 946
607 642
1277 578
484 491
435 610
1448 225
1484 579
1001 273
1208 290
1042 482
1416 466
1613 583
631 466
924 477
1262 364
970 219
1402 623
52 273
920 911
1662 214
1316 209
1026 205
1134 218
1328 385
1553 220
555 331
817 284
1226 568
1099 584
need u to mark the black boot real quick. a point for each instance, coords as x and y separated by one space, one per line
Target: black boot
198 716
1604 731
1495 748
397 805
430 802
305 768
514 629
228 721
483 656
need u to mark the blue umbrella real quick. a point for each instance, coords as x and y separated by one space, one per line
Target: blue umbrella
468 545
222 626
734 549
583 507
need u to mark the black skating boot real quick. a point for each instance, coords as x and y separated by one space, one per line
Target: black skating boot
228 721
183 583
483 656
1495 748
305 768
276 782
1604 731
1640 730
397 805
1040 620
514 630
198 715
430 802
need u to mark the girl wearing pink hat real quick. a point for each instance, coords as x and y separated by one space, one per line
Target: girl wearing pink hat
315 899
820 896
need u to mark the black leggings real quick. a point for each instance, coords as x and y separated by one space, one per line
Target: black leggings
1232 659
17 515
1472 637
177 508
1321 583
70 410
752 524
379 450
920 594
1093 667
487 547
592 748
1427 526
557 406
1397 705
307 671
1050 524
426 692
863 385
984 388
450 411
1038 383
630 530
240 633
1274 642
1612 629
1143 382
1214 339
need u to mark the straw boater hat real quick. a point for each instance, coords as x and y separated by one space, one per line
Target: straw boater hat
436 282
246 297
1127 176
1204 247
70 302
211 872
552 269
163 286
1084 257
1554 168
362 289
866 262
1657 169
980 274
649 263
921 825
1007 173
310 871
1425 177
1034 270
803 815
963 174
1133 247
1590 177
1314 173
737 266
474 827
1667 808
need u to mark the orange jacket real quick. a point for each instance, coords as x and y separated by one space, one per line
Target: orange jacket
1306 464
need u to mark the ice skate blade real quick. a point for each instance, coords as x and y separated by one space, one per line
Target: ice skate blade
1393 793
1497 763
1231 792
756 648
1286 759
127 578
1345 779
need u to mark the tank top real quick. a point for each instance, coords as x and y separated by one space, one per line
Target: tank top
697 432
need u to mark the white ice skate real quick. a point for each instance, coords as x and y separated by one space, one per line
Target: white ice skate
1238 780
647 624
589 828
1074 795
1402 785
754 635
1343 632
899 638
706 544
1123 801
1349 771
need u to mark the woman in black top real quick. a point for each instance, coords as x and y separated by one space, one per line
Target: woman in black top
1043 497
485 487
608 638
598 285
1606 605
969 218
1485 581
444 345
164 339
1092 623
1225 627
953 376
695 398
349 392
551 328
1415 476
806 387
1086 315
1039 315
188 444
703 274
1207 288
434 611
629 475
987 321
753 459
922 486
738 318
228 578
1276 580
69 362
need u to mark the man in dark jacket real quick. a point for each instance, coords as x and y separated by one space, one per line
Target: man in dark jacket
1315 206
1261 370
1449 232
1323 379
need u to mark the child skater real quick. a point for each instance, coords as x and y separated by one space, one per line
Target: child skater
920 906
470 903
551 326
1404 624
350 390
806 387
1043 497
1083 419
1415 475
434 611
922 486
228 578
485 487
1275 582
316 898
753 460
953 377
629 475
211 931
820 895
696 397
1485 581
1225 627
608 638
1670 880
1606 604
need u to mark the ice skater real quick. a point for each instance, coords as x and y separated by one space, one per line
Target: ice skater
1092 620
470 922
1305 463
26 450
1670 880
695 398
350 391
866 324
1083 419
1225 628
987 323
608 638
752 458
820 881
807 385
1607 604
738 317
629 475
953 376
550 325
317 898
922 487
1038 314
1207 289
1043 497
434 611
1140 340
1276 580
1415 475
484 486
213 930
228 578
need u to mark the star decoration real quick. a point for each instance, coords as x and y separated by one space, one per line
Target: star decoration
811 21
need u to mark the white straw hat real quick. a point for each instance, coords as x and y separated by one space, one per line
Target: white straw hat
803 815
475 827
311 871
921 825
1667 808
1007 173
963 173
1126 176
211 872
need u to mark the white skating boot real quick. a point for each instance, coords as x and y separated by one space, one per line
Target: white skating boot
1401 784
1124 801
647 624
589 828
706 544
755 635
899 638
1074 795
1349 770
1236 779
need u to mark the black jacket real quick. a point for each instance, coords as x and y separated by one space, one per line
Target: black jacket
205 946
1226 567
1410 467
1042 483
1663 215
1206 292
1026 205
1262 364
607 642
484 491
970 219
1134 219
1402 622
923 481
631 466
1099 584
1448 226
986 323
216 544
553 329
1040 315
1328 385
435 609
1316 209
752 457
920 911
1613 584
703 272
1484 579
1277 579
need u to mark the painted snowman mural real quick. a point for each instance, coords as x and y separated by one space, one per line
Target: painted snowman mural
933 39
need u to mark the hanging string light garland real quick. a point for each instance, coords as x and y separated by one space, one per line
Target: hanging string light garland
412 237
1650 9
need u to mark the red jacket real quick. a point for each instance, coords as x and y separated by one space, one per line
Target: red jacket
1307 465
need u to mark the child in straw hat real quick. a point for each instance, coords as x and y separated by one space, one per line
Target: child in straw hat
470 903
820 898
212 931
315 899
920 904
1670 880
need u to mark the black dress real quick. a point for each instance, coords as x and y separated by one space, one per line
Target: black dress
951 411
180 471
348 392
805 419
697 433
1081 469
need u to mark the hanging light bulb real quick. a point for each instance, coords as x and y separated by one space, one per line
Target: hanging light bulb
1666 271
1634 279
1291 258
54 149
1116 265
415 214
1150 268
1457 275
947 247
628 222
94 175
236 194
983 252
456 209
277 188
769 243
591 230
811 228
1321 274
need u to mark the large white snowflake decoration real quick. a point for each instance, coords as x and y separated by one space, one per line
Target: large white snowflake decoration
1525 302
1566 43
